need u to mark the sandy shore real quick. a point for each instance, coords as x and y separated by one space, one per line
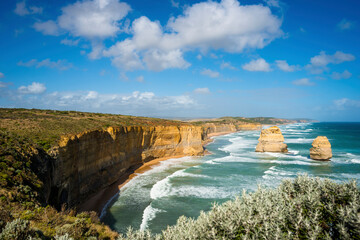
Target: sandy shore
98 201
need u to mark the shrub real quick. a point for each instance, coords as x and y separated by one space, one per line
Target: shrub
304 208
16 230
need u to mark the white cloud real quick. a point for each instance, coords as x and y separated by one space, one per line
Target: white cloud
284 66
174 3
47 28
344 75
70 42
1 75
124 55
202 91
225 25
3 84
135 103
303 82
22 10
343 103
345 24
318 64
273 3
93 18
140 79
227 65
210 73
258 65
34 88
59 64
157 60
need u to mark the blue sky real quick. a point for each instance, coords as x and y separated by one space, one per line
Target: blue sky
177 58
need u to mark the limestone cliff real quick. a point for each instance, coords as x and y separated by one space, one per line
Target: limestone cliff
271 140
321 149
212 129
87 162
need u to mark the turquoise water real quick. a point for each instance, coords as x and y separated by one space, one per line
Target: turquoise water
186 186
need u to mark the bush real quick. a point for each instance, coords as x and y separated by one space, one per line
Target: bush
304 208
16 230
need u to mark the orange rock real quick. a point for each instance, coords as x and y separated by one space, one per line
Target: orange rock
321 149
271 140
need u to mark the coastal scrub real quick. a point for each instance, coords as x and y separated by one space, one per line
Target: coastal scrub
303 208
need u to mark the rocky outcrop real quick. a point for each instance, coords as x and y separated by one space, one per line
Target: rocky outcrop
90 161
321 149
271 140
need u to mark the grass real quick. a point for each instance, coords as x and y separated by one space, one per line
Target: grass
44 127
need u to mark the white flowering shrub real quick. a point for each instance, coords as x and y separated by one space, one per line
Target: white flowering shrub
303 208
15 230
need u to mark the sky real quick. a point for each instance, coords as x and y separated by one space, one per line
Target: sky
183 58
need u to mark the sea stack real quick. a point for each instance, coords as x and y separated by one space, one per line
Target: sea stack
271 140
321 149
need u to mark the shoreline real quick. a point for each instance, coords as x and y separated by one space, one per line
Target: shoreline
100 200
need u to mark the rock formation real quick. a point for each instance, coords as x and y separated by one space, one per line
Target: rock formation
271 140
321 149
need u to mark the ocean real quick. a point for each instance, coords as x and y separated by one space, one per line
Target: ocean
186 186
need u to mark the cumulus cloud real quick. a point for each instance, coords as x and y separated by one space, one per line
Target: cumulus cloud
210 73
140 79
225 25
59 64
22 10
318 64
93 18
47 28
258 65
1 75
343 103
135 103
175 4
202 91
34 88
303 82
227 65
70 42
345 24
273 3
284 66
157 60
344 75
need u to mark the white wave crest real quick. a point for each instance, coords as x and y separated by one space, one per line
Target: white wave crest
148 215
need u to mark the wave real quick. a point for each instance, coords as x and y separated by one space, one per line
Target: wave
148 215
164 188
298 140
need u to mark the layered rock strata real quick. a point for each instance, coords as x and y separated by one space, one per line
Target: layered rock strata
271 140
90 161
83 164
321 149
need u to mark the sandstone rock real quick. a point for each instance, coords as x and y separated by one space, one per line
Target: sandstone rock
271 140
321 149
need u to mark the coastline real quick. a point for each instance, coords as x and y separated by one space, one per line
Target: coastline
100 200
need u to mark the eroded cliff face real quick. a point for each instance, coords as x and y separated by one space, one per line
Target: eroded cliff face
90 161
212 129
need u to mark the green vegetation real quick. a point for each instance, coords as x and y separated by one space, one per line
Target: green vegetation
23 211
303 208
44 127
275 121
